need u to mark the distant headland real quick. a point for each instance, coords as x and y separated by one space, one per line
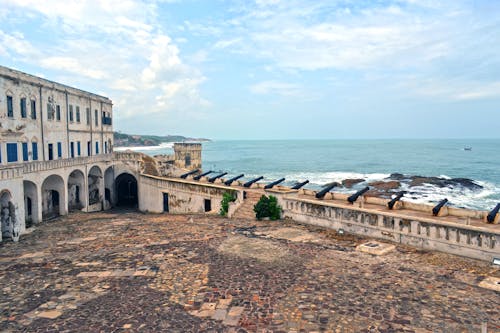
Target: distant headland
133 140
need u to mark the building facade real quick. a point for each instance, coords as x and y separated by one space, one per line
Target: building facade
56 146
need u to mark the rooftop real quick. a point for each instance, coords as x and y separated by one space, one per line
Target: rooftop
132 272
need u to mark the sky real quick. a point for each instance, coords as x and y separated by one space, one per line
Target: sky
271 69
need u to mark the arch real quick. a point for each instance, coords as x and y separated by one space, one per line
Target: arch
95 181
9 225
53 197
109 191
76 190
126 190
30 203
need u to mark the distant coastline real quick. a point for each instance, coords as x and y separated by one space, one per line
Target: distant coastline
124 141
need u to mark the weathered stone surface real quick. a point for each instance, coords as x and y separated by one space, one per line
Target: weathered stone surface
193 286
385 185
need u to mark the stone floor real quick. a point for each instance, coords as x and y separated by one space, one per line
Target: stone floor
132 272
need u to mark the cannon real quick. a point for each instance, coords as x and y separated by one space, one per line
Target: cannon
230 181
202 175
398 197
276 182
324 191
352 199
249 183
299 185
184 176
437 208
212 179
491 216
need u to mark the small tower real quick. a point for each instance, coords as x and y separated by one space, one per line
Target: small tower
187 155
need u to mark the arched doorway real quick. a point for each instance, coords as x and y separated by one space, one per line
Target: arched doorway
10 225
95 185
76 190
109 192
126 190
30 203
53 199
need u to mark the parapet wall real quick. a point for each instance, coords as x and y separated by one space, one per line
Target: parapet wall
426 233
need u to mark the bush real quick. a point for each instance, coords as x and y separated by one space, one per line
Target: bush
267 207
224 204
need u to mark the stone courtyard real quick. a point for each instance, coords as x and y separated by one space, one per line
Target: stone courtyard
124 271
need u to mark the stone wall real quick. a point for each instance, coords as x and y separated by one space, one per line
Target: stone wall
187 155
184 196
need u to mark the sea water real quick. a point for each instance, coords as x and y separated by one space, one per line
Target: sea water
325 161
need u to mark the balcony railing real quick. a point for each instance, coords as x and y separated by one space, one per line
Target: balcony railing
107 121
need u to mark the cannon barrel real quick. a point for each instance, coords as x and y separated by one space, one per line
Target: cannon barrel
324 191
276 182
398 197
491 216
212 179
437 208
230 181
249 183
352 199
184 176
202 175
299 185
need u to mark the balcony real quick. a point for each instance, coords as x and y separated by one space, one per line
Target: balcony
106 121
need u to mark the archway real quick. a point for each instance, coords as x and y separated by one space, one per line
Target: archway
10 226
126 190
53 197
95 186
76 190
30 203
109 192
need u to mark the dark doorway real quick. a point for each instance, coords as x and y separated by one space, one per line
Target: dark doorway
77 194
165 202
29 212
208 205
55 201
126 190
107 194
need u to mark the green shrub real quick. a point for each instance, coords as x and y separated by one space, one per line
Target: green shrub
267 207
224 204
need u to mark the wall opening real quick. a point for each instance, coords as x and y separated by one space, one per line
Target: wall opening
95 181
208 205
53 197
126 189
30 203
76 185
165 203
10 226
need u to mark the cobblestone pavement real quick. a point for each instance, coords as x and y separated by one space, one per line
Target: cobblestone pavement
132 272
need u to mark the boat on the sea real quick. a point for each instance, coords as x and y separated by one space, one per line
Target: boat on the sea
467 148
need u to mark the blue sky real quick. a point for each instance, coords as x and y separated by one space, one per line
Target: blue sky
271 69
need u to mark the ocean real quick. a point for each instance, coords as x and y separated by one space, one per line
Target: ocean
325 161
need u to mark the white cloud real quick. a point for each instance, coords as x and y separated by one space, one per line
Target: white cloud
112 45
275 88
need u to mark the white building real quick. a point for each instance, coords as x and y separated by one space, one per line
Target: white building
55 151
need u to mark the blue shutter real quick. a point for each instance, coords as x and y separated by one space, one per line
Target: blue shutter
11 152
34 147
25 151
59 150
97 147
10 107
79 148
72 146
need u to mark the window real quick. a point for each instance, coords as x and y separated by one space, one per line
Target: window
97 147
79 148
10 107
77 114
25 151
105 147
51 151
96 118
88 116
11 152
58 112
89 149
23 107
72 149
33 109
50 112
70 112
34 148
59 149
